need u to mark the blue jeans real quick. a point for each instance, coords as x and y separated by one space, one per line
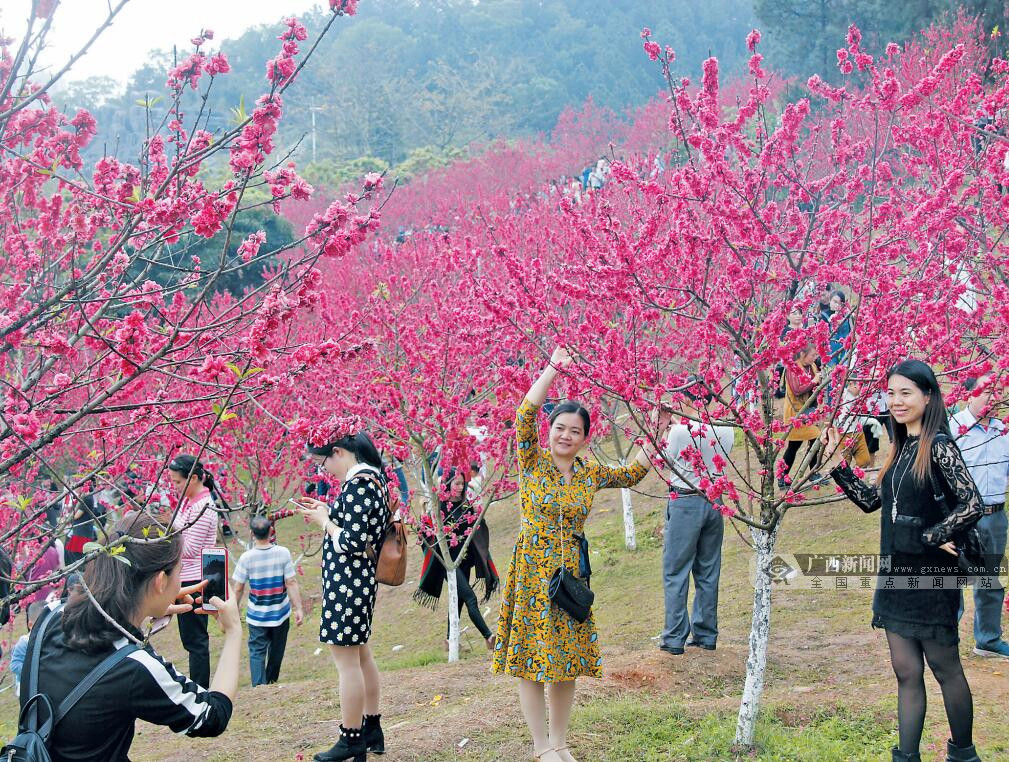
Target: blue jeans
692 547
266 651
988 601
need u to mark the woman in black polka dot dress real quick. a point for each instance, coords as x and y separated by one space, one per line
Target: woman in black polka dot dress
356 520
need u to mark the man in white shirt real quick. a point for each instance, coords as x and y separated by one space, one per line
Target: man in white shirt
983 440
694 529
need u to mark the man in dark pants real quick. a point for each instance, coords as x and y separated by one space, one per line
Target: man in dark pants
269 573
694 528
984 442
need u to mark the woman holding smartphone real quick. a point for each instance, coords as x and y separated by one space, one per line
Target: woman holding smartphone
79 635
538 642
197 520
926 495
353 525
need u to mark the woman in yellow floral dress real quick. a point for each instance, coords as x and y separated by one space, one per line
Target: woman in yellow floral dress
537 642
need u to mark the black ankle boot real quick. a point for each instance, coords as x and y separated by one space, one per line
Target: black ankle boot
961 753
374 739
904 756
350 746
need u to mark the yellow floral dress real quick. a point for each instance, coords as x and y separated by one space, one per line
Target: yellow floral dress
536 640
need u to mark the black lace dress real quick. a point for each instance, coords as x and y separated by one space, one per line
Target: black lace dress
924 613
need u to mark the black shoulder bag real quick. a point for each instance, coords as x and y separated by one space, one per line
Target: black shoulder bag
571 594
31 744
972 554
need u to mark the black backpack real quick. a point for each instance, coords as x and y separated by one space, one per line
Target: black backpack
32 741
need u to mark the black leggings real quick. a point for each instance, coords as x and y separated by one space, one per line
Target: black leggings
908 657
468 599
791 451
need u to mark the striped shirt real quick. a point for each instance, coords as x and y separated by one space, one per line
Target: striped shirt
198 521
266 570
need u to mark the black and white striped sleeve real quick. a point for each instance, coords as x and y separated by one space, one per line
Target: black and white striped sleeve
162 696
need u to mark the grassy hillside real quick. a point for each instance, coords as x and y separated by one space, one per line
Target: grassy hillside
830 693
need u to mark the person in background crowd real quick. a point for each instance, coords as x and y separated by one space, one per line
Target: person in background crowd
273 587
795 320
841 324
197 520
21 647
455 514
984 443
86 512
72 579
800 381
692 543
916 531
849 423
47 561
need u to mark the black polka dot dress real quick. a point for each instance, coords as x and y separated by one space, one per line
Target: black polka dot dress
348 575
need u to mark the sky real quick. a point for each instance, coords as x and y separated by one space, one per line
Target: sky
141 26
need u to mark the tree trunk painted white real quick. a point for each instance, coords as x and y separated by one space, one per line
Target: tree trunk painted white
630 536
760 630
453 615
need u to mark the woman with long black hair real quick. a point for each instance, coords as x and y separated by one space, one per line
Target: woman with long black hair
105 614
197 519
354 525
926 495
457 516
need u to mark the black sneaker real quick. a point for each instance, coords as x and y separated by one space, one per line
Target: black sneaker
705 646
674 650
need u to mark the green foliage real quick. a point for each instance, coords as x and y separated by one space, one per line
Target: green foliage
332 173
803 36
403 74
279 234
424 159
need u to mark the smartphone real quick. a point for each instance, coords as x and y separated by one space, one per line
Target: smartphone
157 625
215 571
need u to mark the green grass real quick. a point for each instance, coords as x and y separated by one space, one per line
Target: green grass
625 729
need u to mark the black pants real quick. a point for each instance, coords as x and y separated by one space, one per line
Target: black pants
193 633
468 599
792 450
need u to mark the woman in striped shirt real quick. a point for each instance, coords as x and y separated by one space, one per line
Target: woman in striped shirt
196 517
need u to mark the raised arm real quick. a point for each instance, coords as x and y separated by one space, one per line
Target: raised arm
537 393
646 455
969 508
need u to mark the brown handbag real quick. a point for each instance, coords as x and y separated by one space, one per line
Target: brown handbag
390 561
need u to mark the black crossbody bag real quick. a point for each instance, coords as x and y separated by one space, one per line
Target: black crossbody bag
570 593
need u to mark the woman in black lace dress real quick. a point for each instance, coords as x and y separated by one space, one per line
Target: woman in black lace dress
926 495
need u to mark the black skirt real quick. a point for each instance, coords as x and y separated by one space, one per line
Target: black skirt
925 613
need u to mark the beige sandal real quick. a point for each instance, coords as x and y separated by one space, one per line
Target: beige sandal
539 757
